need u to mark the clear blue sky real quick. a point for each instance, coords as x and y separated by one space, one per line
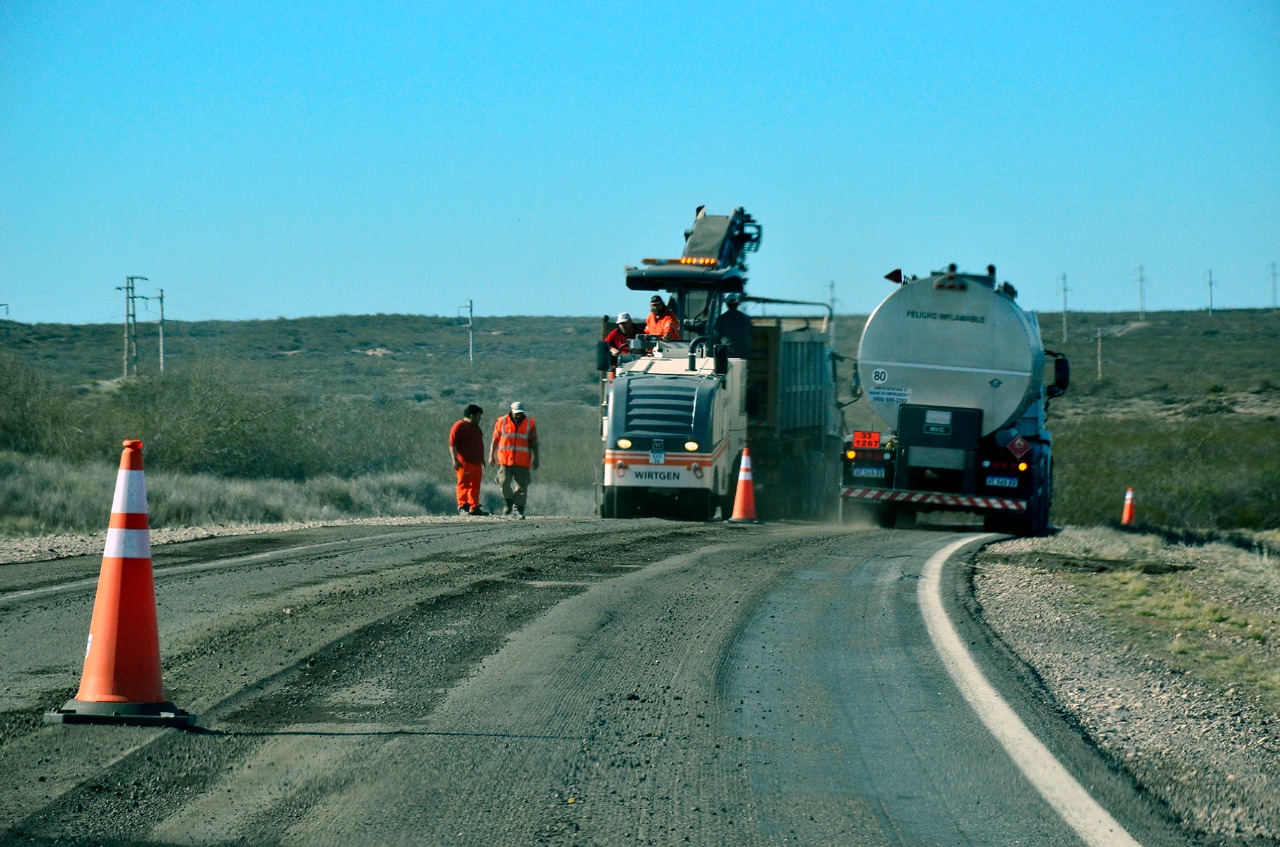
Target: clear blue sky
259 160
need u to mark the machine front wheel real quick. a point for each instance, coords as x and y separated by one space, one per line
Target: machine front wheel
617 503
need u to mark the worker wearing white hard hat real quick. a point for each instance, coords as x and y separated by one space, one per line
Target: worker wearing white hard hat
619 338
514 450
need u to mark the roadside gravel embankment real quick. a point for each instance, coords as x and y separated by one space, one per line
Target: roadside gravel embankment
1209 749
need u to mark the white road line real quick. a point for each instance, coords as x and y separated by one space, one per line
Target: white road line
1058 787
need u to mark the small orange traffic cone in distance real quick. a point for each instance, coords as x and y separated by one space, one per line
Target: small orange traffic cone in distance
1126 516
121 680
744 502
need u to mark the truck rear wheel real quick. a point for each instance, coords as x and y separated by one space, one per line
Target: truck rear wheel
1033 522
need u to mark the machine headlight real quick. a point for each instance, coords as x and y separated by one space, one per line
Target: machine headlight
691 446
624 443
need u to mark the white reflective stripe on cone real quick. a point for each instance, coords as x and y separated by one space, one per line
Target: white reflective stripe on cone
131 493
128 544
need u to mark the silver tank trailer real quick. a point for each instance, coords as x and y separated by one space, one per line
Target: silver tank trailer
955 340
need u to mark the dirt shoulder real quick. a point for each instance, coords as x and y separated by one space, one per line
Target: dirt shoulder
1166 655
38 548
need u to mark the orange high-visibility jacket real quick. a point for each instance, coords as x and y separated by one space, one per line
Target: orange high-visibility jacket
514 440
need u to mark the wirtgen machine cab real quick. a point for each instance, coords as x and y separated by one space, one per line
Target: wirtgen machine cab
713 264
676 416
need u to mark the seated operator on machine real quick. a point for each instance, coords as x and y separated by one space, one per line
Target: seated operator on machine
661 322
619 338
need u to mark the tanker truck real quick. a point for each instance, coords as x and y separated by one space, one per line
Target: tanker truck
677 414
956 371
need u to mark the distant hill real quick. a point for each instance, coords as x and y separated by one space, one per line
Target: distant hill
1173 357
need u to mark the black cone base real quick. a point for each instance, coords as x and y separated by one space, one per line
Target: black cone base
123 714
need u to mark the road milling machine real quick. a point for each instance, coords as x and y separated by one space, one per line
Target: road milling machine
676 415
956 370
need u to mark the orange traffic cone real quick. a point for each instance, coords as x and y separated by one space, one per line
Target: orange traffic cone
744 503
1126 516
121 680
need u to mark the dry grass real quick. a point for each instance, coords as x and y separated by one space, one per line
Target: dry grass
1209 609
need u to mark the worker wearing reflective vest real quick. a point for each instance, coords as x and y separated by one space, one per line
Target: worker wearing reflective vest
514 450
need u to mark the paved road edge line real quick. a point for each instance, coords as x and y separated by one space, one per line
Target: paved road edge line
1056 785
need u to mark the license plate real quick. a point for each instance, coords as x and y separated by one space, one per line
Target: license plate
1002 482
869 473
658 453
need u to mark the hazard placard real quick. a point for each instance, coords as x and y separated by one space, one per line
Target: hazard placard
1019 447
863 440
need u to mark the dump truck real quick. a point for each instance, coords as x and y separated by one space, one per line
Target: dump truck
676 416
955 369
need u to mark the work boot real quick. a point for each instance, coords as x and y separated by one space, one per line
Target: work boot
506 510
520 512
463 510
477 512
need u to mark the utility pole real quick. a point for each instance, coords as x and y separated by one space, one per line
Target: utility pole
831 301
161 290
1274 306
130 324
1064 308
1142 294
1099 354
1210 293
471 333
159 296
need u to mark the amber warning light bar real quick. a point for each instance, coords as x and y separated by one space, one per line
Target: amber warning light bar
684 260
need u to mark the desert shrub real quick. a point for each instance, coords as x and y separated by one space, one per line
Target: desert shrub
35 412
204 421
1215 472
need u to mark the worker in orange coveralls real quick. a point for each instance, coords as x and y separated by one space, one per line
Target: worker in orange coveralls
466 444
661 322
